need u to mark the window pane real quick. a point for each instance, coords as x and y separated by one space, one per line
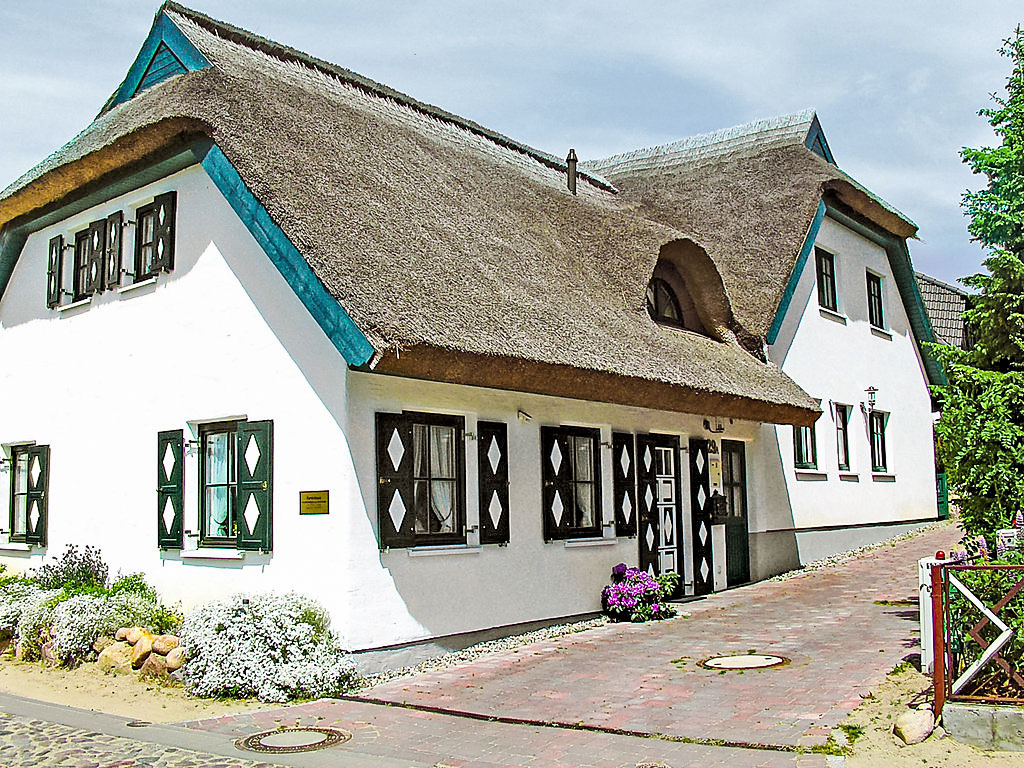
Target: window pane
442 452
148 225
667 308
584 517
583 457
420 440
20 515
21 473
146 259
421 517
218 512
442 506
217 458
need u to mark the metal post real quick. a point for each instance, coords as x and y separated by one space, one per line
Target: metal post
938 640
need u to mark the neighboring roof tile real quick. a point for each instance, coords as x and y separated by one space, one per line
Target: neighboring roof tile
945 305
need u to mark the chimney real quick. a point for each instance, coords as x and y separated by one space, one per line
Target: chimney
570 162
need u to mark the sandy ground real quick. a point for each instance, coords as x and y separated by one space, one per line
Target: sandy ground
125 694
878 747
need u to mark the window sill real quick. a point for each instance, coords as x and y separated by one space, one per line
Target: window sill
881 333
443 549
595 542
140 284
883 477
811 474
849 477
15 546
211 553
75 304
831 314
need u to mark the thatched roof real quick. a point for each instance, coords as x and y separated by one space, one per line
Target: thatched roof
431 232
748 195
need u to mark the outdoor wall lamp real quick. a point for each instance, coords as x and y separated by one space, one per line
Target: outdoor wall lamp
872 391
523 416
718 429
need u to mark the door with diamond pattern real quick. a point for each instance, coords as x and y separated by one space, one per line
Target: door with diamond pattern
700 513
658 503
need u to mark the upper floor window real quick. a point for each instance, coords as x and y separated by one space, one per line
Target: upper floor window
879 460
80 279
876 314
805 450
826 271
843 436
662 304
154 237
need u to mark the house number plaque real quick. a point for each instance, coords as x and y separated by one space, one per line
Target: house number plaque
313 502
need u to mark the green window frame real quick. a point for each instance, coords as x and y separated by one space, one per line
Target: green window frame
30 482
80 268
218 484
877 422
843 436
805 449
571 496
876 306
826 274
145 243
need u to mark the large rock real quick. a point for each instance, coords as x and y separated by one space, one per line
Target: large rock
141 649
154 666
102 642
122 633
47 654
134 633
117 657
164 644
175 659
914 726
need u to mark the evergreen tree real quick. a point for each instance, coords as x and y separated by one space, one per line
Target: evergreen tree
981 432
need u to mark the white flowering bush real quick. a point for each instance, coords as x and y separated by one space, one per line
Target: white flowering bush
275 647
14 596
35 619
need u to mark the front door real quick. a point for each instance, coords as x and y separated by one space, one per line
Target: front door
700 513
734 486
658 503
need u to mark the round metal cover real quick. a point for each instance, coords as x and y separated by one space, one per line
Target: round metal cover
286 740
744 661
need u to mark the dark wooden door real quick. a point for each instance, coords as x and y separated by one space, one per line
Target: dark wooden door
700 514
734 486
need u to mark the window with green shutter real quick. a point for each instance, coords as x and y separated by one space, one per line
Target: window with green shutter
570 482
55 271
154 236
112 254
624 483
30 483
492 463
170 484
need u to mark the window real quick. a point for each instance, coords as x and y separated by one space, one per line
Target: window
571 482
421 486
805 455
843 436
826 279
662 304
877 420
80 280
236 486
30 470
154 237
876 316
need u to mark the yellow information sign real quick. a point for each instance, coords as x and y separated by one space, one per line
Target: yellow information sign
313 502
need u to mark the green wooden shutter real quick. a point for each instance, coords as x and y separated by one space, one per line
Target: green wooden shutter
55 271
624 483
112 257
96 250
492 454
170 489
648 523
163 232
556 482
38 494
254 503
395 518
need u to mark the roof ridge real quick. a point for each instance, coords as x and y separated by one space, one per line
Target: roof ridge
286 53
702 141
936 281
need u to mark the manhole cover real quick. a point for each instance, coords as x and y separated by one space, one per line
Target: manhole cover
293 740
744 661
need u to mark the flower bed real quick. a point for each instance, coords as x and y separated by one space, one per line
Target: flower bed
635 595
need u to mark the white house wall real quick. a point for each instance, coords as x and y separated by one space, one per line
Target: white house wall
223 336
837 357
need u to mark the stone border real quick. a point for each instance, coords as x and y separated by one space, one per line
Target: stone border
988 726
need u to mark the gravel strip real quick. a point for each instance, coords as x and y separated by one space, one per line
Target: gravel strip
474 652
842 557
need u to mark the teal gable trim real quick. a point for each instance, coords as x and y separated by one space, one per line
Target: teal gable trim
794 278
324 308
164 35
816 142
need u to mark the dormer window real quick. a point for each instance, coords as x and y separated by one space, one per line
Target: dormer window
662 304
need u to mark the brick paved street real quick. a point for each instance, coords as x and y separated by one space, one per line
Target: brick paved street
833 625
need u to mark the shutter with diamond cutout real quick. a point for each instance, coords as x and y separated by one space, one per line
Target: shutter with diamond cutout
700 516
624 483
170 489
38 494
556 482
492 452
395 518
648 531
55 271
112 256
163 232
254 511
95 253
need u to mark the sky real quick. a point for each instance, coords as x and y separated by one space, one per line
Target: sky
897 84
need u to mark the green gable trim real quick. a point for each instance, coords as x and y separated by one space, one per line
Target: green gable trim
816 142
794 277
325 309
903 273
152 64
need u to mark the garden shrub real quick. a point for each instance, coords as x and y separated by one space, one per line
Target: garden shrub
133 583
635 595
80 619
35 619
14 596
74 571
275 647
